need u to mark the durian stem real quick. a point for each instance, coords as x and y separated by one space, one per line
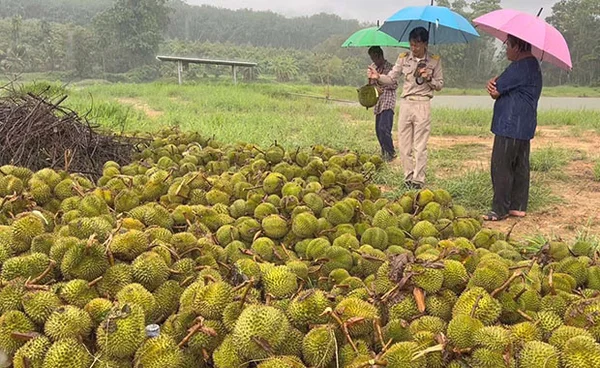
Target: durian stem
398 286
191 332
189 251
43 274
171 251
510 231
90 241
264 345
227 267
506 284
474 309
175 272
525 315
344 328
551 282
377 325
210 278
24 336
245 294
285 250
94 282
186 280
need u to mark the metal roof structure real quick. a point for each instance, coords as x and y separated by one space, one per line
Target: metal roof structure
184 61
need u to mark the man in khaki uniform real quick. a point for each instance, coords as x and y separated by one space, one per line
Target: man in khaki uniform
422 74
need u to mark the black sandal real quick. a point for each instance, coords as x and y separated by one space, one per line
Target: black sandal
493 216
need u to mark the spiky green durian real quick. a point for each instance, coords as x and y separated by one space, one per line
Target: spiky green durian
537 354
318 346
68 353
31 355
68 321
39 305
122 332
260 322
159 352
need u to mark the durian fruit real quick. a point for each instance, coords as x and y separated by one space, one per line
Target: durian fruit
32 353
159 352
319 346
478 302
137 294
226 355
284 361
461 330
261 322
307 308
279 281
580 351
67 352
492 338
114 279
68 321
86 261
12 323
127 246
402 354
122 332
210 300
39 305
350 308
150 270
78 292
98 309
537 354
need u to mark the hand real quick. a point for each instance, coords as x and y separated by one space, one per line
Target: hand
372 73
426 73
491 88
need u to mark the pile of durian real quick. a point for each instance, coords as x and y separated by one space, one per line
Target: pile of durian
201 254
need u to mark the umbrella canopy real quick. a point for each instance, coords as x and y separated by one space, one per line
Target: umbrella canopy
373 37
547 43
444 25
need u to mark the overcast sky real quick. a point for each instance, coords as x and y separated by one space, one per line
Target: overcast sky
355 9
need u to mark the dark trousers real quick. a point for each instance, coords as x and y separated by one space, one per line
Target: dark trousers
384 122
510 175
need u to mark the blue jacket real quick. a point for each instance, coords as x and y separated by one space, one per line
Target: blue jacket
515 111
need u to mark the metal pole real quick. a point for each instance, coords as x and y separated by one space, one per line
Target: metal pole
179 69
234 75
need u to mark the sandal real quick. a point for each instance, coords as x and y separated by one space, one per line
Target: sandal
493 216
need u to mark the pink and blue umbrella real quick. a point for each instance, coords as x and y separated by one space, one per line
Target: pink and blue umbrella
444 25
547 43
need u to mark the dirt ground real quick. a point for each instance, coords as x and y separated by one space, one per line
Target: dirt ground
579 209
140 105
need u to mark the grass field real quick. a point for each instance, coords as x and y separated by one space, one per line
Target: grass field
565 159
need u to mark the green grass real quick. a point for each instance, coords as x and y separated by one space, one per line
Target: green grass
550 159
473 189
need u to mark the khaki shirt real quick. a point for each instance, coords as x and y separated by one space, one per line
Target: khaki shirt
405 68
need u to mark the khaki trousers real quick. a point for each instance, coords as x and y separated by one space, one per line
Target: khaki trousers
414 127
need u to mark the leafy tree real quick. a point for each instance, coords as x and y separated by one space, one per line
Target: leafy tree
132 30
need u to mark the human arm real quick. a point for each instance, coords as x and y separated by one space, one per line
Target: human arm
512 78
391 78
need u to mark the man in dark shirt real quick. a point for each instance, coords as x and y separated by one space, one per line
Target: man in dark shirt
517 92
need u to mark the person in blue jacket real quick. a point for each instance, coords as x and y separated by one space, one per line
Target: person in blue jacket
516 93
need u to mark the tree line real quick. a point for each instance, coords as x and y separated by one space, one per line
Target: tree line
118 40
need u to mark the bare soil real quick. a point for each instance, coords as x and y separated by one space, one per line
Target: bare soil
142 106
